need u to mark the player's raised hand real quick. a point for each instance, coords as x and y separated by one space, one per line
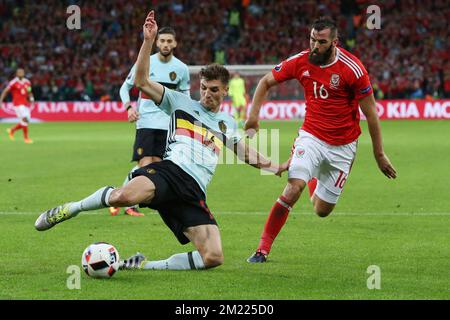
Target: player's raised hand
150 27
385 166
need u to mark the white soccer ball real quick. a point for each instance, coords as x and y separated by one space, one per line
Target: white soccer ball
100 260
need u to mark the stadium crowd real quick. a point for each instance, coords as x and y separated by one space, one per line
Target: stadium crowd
407 58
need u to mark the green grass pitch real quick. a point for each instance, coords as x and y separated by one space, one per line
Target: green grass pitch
401 226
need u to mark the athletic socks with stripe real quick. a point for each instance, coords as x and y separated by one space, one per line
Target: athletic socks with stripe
181 261
97 200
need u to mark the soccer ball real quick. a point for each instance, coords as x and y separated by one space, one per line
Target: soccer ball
100 260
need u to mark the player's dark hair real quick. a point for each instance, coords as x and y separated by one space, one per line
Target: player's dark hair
215 71
325 23
167 30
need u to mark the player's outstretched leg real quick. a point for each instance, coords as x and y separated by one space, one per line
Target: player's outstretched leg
138 190
179 261
52 217
133 262
276 219
206 238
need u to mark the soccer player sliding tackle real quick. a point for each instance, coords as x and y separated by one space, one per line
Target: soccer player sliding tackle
176 186
335 84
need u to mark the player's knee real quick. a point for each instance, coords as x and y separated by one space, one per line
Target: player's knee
292 193
213 259
322 212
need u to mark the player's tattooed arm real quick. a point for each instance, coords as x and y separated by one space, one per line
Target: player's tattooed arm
152 89
368 107
255 159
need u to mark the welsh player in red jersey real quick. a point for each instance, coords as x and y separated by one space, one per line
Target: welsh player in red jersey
20 89
335 84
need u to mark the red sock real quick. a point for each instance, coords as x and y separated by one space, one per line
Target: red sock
274 223
25 131
312 184
16 127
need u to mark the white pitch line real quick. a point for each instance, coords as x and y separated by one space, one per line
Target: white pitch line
341 213
263 213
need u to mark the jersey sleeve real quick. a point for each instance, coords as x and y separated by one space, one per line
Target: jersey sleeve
361 86
173 100
10 84
185 83
287 69
131 75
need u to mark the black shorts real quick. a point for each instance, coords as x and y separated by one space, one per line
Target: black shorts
179 199
149 142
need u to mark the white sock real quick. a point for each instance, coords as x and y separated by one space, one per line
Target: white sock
181 261
99 199
127 179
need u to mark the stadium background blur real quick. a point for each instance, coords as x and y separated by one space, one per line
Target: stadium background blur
408 59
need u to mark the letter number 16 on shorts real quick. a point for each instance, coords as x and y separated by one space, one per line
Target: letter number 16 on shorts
341 180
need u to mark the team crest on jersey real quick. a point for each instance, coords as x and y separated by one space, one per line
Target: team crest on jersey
140 151
173 75
300 152
334 82
151 171
222 126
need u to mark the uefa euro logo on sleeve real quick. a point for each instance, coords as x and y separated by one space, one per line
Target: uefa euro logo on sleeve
278 67
365 90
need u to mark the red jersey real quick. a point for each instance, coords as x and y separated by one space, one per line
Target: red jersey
332 93
19 90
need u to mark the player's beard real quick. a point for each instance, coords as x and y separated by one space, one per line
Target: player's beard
166 54
320 59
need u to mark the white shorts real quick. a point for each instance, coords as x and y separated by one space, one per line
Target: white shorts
22 112
314 158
